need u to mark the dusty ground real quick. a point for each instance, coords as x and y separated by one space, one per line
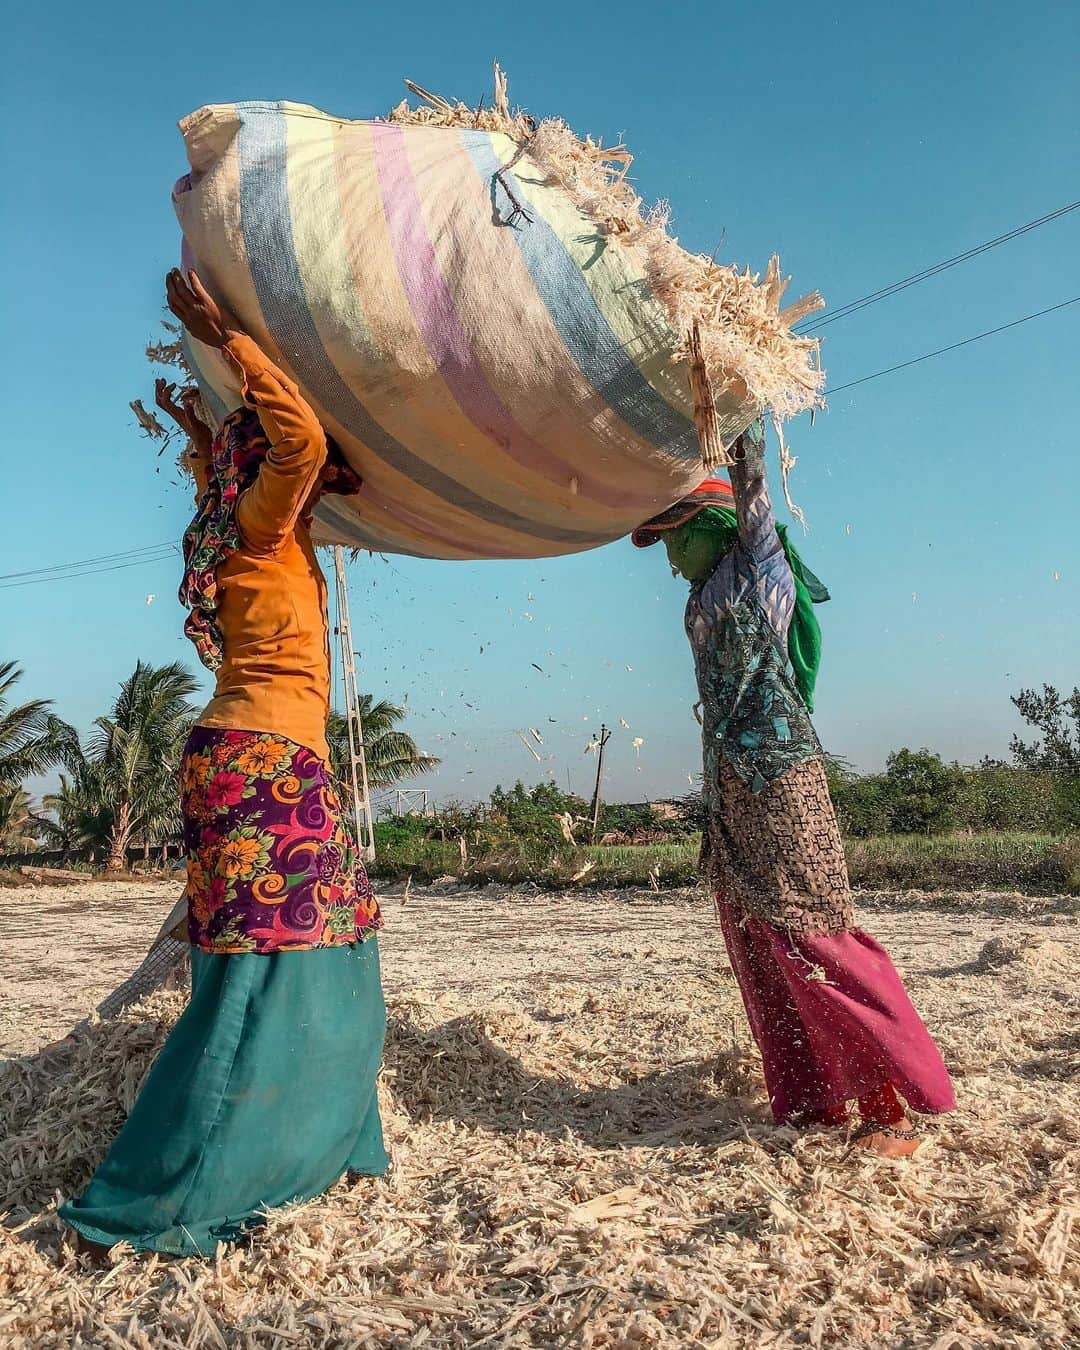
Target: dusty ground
62 949
582 1153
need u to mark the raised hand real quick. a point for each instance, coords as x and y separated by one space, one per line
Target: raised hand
185 413
197 309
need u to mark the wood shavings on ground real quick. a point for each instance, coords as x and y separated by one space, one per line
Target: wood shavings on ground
582 1150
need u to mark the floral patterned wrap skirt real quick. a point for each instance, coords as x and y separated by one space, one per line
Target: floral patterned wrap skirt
272 864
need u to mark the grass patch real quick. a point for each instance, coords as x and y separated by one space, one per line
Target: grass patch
1006 860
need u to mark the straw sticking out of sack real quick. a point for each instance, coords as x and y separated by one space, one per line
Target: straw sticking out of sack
732 321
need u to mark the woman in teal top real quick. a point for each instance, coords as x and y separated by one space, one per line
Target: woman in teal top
827 1008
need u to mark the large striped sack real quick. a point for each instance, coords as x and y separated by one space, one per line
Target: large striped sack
482 316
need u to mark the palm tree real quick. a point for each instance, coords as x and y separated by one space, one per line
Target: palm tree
391 754
17 827
81 819
32 740
136 750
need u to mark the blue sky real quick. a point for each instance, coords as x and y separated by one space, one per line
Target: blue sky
863 143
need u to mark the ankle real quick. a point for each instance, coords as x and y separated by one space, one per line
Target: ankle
882 1107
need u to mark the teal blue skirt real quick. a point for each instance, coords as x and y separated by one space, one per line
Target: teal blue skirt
264 1093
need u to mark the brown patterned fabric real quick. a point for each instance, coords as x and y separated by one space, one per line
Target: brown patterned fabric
777 854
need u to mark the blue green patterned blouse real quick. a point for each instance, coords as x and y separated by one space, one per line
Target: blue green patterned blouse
737 622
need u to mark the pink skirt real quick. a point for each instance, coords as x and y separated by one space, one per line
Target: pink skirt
831 1018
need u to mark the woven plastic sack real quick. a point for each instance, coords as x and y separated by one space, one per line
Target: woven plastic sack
493 360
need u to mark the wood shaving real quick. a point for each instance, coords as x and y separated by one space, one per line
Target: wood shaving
753 358
582 1150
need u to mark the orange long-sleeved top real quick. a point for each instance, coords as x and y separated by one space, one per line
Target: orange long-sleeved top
275 672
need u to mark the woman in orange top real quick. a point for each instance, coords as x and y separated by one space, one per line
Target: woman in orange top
265 1090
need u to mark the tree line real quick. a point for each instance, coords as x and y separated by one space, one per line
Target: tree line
118 784
1037 789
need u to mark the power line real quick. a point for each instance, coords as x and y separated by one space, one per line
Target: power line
85 562
812 325
166 556
903 365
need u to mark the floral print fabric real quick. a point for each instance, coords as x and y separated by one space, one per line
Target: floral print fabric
213 535
271 862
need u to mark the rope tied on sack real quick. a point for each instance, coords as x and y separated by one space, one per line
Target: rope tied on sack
519 212
714 454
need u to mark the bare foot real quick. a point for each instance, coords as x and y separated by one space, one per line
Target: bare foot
890 1141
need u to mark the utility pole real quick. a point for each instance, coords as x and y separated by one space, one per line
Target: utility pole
361 799
605 736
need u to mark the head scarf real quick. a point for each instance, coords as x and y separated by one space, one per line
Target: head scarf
214 535
711 492
704 510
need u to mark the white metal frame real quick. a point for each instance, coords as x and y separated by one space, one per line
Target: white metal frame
362 815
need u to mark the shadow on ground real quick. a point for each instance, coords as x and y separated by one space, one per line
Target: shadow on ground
61 1107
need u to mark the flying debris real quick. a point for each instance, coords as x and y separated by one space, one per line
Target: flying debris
148 422
536 667
150 599
524 741
624 723
630 668
536 736
638 742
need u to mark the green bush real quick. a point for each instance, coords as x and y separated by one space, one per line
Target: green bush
530 813
996 796
920 792
862 806
399 832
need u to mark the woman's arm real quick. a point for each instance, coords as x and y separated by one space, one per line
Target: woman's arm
185 414
268 511
753 508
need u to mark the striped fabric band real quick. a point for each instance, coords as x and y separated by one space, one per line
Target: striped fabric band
503 384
